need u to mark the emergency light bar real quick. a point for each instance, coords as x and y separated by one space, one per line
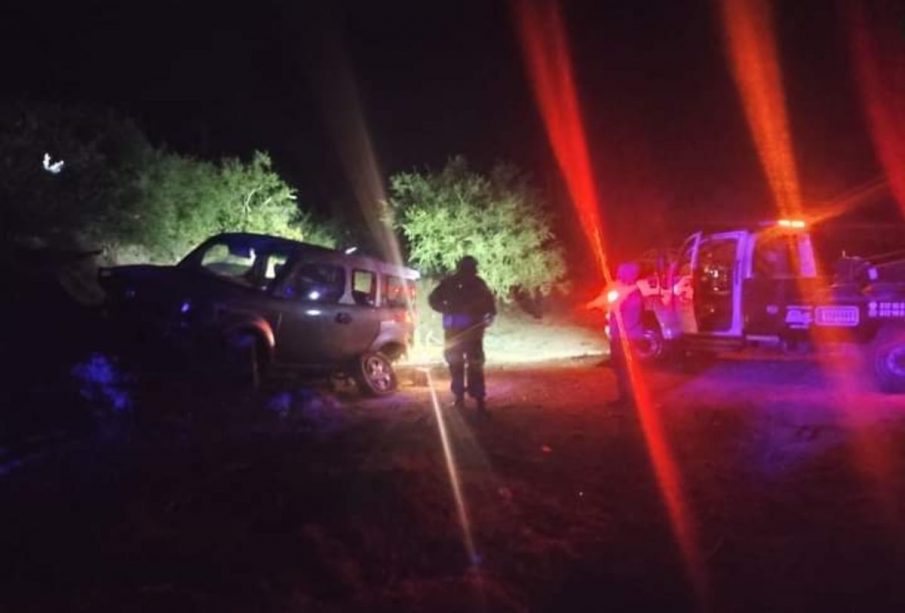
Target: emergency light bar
791 223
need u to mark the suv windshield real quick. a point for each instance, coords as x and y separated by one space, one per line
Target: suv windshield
243 262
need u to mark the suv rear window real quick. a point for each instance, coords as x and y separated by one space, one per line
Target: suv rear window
394 291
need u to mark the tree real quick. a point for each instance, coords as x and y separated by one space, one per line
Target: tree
105 185
499 219
181 201
79 183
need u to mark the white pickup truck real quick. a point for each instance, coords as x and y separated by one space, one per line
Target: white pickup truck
762 285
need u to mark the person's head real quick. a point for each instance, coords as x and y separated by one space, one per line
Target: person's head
628 272
468 265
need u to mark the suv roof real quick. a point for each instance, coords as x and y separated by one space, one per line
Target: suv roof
267 241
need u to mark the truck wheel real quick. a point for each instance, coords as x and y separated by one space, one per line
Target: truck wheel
888 359
651 347
374 374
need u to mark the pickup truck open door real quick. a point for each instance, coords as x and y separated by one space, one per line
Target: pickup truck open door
683 285
718 283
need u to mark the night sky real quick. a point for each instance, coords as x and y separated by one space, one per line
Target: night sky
666 128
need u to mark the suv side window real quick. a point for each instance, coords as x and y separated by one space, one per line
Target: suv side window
364 287
311 282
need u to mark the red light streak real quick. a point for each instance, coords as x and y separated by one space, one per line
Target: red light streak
546 53
755 67
753 56
879 54
549 66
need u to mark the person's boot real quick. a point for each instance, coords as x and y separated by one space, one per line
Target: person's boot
459 403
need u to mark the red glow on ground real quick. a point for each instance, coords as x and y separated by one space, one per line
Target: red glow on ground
878 47
873 457
753 57
546 53
879 52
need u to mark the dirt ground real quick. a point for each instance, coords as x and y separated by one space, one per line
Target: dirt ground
311 498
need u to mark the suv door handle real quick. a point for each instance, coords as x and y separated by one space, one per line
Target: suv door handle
343 318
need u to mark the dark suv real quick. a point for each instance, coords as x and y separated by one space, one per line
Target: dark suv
267 304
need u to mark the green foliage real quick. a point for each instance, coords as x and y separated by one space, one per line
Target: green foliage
183 200
119 192
499 219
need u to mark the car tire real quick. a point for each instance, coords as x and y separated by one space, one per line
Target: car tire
652 347
887 356
374 374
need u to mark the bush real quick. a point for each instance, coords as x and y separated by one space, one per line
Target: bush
499 219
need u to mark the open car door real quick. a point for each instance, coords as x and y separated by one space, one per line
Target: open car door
683 285
717 285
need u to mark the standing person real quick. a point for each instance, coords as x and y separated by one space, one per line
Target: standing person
468 308
626 306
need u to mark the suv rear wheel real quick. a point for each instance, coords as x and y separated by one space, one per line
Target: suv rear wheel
888 359
374 374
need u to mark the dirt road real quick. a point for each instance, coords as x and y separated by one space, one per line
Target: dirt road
311 499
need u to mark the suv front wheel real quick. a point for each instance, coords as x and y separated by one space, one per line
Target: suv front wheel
374 374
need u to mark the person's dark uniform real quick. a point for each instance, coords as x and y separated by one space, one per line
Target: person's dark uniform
629 306
468 308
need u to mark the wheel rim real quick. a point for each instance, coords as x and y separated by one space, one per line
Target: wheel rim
650 345
378 373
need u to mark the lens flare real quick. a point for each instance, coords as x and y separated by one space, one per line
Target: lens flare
879 56
751 48
452 469
549 68
755 66
345 118
548 61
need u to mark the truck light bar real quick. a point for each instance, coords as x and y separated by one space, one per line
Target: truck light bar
792 223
